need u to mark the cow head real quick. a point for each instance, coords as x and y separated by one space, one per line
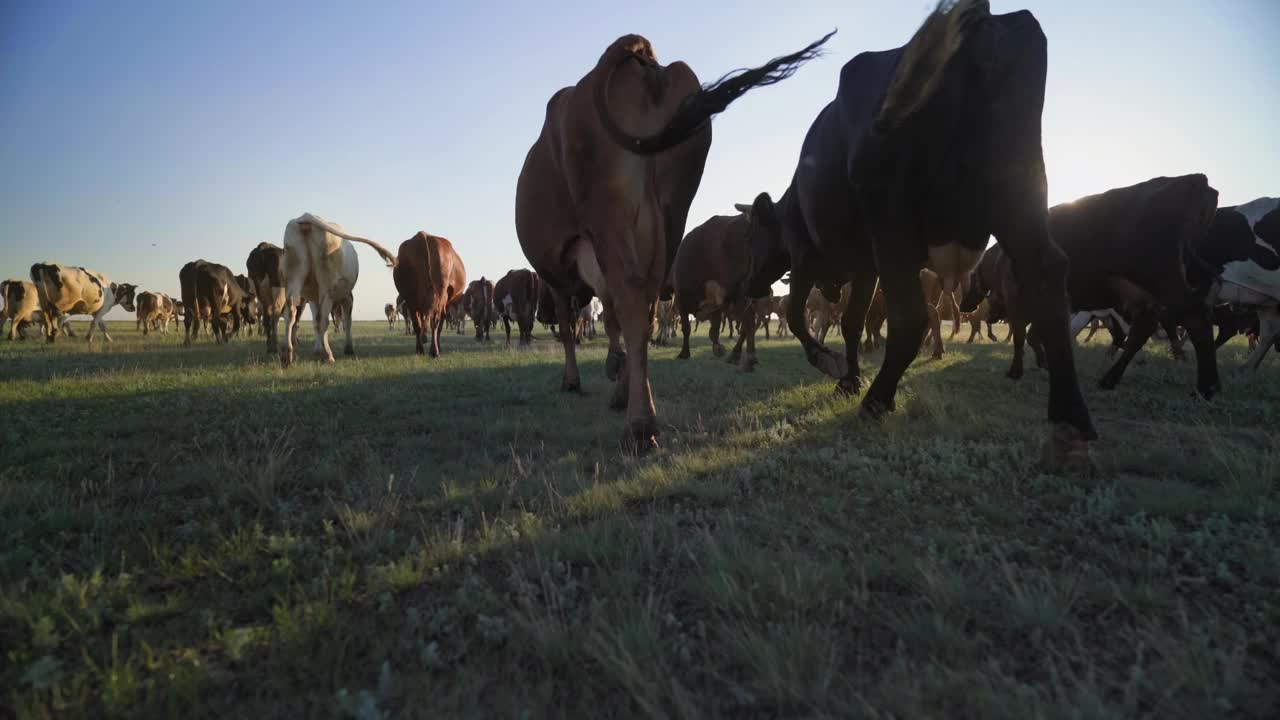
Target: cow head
769 255
124 293
1268 230
1229 239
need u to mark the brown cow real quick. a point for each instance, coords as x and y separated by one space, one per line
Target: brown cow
266 274
515 297
766 307
877 314
431 278
210 293
478 303
21 303
604 193
710 269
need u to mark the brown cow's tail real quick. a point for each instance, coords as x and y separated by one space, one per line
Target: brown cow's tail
695 111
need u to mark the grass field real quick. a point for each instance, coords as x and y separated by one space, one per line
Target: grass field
195 533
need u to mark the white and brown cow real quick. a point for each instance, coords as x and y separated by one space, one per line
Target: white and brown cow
20 306
66 290
321 267
155 310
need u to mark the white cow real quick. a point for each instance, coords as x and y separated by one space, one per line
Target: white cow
65 290
321 268
1250 285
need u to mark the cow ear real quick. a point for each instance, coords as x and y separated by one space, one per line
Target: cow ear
743 208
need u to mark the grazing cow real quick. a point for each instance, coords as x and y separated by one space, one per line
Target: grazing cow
1130 249
321 268
927 151
515 297
477 301
21 303
431 278
392 314
210 293
604 193
65 290
1253 284
267 277
709 276
155 309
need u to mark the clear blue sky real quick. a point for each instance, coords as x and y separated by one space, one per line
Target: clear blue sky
135 136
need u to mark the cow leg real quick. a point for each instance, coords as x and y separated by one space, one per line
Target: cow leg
743 306
684 328
934 324
506 323
1143 326
348 306
861 289
571 381
320 313
1199 325
1040 269
717 317
833 364
635 316
908 317
616 361
419 327
1268 335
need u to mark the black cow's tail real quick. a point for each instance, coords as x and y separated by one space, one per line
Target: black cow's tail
696 110
44 275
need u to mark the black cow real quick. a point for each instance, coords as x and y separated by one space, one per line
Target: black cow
210 291
926 151
266 275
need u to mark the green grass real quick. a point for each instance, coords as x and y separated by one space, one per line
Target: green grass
195 533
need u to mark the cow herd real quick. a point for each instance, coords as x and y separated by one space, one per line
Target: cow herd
926 152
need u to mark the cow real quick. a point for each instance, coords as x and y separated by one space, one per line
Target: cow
403 311
265 266
877 313
667 317
709 277
154 309
249 309
766 308
604 194
21 303
321 268
477 302
64 290
1253 284
587 322
431 278
392 314
210 293
1135 249
515 297
926 152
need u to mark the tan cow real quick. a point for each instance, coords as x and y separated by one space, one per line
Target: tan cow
604 193
65 290
392 314
21 303
321 268
155 309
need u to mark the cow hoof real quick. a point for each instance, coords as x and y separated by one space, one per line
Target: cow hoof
639 438
750 365
614 364
935 356
874 409
684 355
717 350
618 401
1108 382
348 351
1065 450
833 364
848 387
571 386
734 358
1209 392
1015 373
286 357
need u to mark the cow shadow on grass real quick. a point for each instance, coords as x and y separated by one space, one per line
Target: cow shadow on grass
444 483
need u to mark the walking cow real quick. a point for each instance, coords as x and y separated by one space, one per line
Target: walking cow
65 291
431 278
321 268
927 151
604 193
210 292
